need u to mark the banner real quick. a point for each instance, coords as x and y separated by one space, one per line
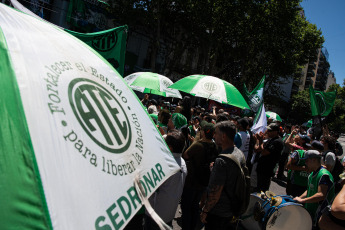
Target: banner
321 102
111 44
260 120
255 98
74 138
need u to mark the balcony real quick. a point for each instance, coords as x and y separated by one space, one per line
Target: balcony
310 73
311 65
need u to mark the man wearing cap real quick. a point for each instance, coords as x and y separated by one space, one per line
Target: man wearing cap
270 152
199 156
320 190
298 171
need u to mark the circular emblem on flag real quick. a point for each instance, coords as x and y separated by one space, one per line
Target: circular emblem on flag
105 42
100 114
210 86
321 103
166 83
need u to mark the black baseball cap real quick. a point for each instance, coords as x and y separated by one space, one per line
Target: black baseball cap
273 127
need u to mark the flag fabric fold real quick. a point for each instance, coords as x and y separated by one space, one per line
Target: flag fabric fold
321 102
111 44
260 120
255 98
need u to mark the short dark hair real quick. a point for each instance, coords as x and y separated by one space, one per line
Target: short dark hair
208 130
196 118
330 141
221 117
176 140
165 116
208 119
227 127
243 122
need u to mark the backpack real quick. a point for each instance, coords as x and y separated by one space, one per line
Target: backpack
242 189
210 156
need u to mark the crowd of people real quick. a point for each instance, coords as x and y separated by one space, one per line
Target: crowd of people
202 141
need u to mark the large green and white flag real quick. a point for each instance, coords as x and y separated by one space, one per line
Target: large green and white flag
74 137
111 44
321 102
260 120
255 98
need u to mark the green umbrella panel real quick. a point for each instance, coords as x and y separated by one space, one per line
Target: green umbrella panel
212 88
147 82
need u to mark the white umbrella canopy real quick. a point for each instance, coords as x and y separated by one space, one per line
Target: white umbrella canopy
147 82
274 116
213 88
74 138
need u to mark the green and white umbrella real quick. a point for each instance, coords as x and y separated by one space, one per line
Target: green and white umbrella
74 138
274 116
147 82
211 88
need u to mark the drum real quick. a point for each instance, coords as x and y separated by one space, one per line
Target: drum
268 211
282 212
247 219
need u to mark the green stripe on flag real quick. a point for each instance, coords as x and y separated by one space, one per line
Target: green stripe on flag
22 200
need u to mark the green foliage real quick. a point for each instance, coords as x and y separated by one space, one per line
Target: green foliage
301 111
239 41
336 119
300 108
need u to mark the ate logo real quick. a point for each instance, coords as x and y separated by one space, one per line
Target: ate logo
209 86
166 83
100 114
105 42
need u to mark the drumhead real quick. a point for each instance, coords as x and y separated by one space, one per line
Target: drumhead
289 216
248 220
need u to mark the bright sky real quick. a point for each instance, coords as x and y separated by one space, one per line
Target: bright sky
329 16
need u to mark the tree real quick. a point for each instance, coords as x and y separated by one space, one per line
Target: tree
336 119
238 41
300 108
301 111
